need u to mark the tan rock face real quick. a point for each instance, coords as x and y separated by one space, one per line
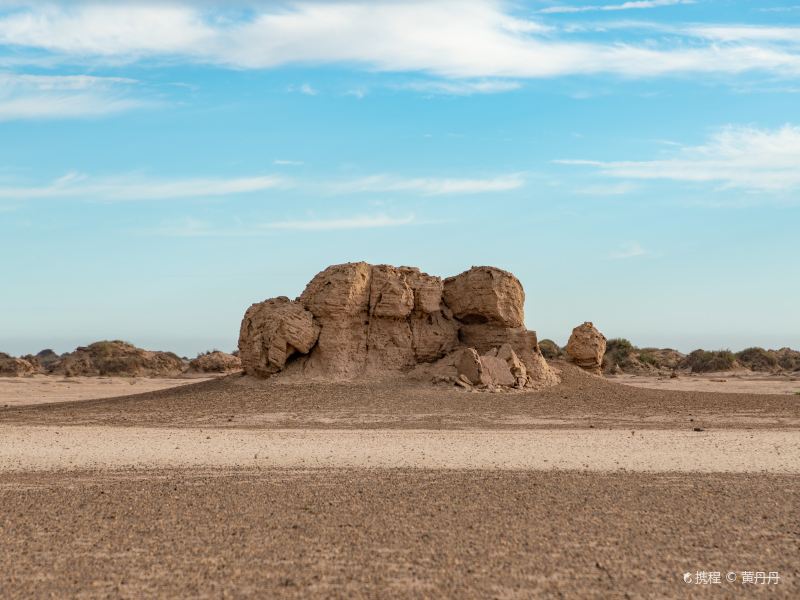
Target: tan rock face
586 347
486 295
364 320
271 332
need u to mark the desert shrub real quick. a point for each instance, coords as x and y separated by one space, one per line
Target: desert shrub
758 359
549 349
788 359
618 351
704 361
649 358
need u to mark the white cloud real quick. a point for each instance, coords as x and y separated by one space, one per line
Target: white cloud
449 38
428 186
747 158
739 33
356 222
305 89
461 88
282 162
614 7
130 187
629 250
197 228
64 96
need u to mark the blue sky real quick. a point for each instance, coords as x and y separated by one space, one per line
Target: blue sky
165 165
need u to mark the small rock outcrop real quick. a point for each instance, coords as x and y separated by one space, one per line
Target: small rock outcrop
358 319
118 358
586 347
215 362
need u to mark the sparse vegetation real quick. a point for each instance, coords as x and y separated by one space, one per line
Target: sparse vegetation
550 349
758 359
705 361
618 352
649 358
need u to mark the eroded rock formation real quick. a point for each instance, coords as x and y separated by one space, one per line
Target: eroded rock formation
357 319
586 347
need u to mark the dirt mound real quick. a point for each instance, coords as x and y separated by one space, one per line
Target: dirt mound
118 358
215 362
586 347
11 366
357 319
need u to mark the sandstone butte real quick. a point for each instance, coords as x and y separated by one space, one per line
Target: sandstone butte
360 320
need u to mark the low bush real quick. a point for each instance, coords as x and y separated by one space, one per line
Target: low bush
758 359
550 349
704 361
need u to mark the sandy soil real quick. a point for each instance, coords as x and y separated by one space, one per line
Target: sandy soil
242 488
51 448
733 383
40 389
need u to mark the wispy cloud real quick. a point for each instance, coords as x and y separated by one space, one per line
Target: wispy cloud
25 97
460 88
128 187
641 4
282 162
198 228
747 158
429 186
304 88
134 187
629 250
449 39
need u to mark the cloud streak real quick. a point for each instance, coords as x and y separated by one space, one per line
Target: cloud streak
26 97
128 187
735 157
197 228
448 39
137 187
637 5
427 186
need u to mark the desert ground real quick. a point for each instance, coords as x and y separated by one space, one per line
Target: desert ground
238 487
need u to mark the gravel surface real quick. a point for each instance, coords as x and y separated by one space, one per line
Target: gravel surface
393 533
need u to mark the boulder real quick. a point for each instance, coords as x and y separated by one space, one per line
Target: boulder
271 332
469 365
215 362
485 295
586 347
